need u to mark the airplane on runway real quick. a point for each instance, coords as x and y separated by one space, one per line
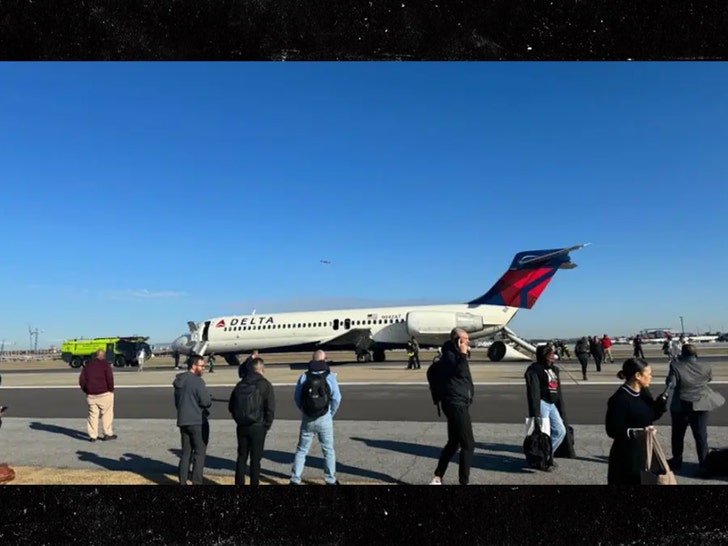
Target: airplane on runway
369 332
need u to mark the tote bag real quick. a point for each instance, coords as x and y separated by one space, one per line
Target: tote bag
663 475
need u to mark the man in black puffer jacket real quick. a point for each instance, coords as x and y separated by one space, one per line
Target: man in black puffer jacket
252 405
456 394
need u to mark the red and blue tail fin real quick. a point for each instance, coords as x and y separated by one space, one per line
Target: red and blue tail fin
528 276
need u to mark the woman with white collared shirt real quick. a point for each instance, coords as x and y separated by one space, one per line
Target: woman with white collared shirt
630 410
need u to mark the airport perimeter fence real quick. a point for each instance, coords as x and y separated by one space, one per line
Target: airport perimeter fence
30 356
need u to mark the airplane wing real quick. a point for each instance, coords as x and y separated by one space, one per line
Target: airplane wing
355 336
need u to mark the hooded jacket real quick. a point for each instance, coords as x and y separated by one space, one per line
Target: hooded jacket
543 382
582 347
191 399
457 383
268 400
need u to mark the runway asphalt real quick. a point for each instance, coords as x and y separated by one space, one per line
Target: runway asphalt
366 452
301 365
343 359
386 433
585 404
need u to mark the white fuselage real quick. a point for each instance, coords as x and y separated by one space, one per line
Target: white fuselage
388 326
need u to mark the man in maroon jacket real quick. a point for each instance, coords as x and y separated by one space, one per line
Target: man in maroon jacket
97 382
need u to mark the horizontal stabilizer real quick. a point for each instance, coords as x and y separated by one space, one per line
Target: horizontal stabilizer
527 277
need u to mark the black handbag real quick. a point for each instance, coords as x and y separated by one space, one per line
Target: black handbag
537 448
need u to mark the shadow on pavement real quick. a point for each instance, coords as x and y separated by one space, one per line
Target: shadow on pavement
286 458
499 447
483 461
55 429
151 469
219 463
211 462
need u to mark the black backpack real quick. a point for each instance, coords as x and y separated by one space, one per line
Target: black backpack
248 408
435 380
716 463
315 394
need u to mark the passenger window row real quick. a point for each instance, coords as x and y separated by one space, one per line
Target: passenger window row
333 324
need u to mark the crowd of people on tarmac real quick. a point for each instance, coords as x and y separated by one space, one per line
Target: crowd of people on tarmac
598 348
631 411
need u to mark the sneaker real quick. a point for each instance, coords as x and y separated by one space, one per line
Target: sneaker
337 482
112 437
674 464
436 481
92 439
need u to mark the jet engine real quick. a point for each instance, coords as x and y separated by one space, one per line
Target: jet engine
499 351
425 323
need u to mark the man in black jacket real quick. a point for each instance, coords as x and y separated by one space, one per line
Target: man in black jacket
581 350
252 405
456 394
543 392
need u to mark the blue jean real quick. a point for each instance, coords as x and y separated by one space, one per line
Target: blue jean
323 428
558 430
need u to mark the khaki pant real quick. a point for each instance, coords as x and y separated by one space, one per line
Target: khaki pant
104 404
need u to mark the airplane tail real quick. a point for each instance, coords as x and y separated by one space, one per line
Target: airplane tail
527 277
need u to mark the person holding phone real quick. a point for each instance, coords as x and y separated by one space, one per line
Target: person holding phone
630 412
456 386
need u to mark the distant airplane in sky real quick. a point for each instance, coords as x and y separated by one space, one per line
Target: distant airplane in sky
325 261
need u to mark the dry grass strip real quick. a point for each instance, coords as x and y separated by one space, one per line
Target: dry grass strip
31 475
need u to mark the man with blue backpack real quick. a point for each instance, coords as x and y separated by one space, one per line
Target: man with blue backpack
317 396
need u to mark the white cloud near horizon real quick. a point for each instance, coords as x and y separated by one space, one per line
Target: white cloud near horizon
144 294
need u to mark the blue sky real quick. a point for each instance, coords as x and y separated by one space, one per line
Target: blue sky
139 196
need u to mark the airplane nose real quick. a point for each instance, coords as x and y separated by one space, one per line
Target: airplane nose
182 344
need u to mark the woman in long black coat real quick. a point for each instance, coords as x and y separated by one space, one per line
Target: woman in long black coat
631 407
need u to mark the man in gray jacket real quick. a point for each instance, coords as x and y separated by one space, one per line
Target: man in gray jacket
192 402
692 400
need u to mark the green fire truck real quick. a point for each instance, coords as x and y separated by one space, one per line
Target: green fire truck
120 351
